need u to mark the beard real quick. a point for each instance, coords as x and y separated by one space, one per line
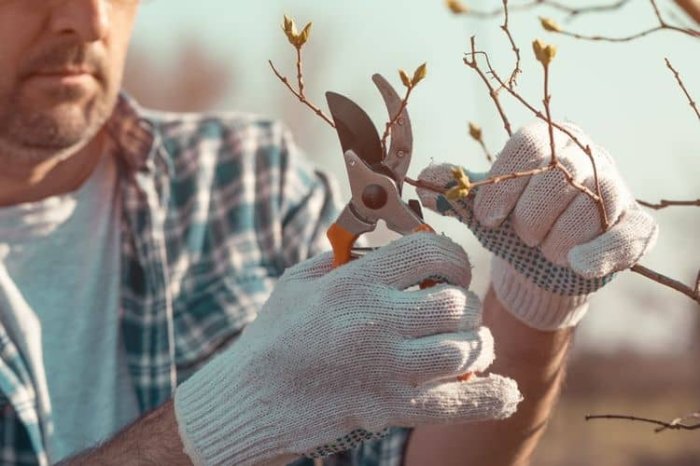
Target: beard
39 122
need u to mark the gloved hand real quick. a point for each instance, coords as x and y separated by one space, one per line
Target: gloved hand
336 354
550 250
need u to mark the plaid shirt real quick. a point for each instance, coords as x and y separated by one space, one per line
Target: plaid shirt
214 209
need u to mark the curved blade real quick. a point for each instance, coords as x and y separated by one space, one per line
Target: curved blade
355 129
398 158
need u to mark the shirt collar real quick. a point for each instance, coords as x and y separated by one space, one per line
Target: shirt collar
135 136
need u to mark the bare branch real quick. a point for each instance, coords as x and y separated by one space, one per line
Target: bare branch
663 203
487 153
548 112
395 118
299 95
663 25
693 105
516 70
569 10
437 189
492 92
669 282
663 425
589 9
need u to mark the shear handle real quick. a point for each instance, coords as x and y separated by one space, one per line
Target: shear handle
343 234
342 242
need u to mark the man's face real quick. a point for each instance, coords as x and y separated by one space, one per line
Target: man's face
61 66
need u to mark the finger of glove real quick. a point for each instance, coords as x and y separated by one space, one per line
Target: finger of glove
440 309
440 176
482 398
525 150
617 249
546 196
445 356
411 260
582 220
315 267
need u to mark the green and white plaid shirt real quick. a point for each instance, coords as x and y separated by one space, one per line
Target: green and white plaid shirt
215 207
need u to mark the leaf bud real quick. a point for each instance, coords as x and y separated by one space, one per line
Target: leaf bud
420 74
404 78
475 131
456 7
549 25
544 53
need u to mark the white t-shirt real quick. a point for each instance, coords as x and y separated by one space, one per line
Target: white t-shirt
64 258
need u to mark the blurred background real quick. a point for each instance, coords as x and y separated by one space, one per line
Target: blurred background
638 351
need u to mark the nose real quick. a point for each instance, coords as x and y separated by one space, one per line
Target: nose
87 19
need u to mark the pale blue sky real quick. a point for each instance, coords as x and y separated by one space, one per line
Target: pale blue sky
621 94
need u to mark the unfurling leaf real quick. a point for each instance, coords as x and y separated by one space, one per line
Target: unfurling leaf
475 131
303 36
419 74
549 25
287 25
294 37
463 181
290 30
456 193
544 53
404 78
456 7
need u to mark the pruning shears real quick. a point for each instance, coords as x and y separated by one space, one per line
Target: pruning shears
376 174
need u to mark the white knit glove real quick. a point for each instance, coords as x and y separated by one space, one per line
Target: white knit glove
550 251
334 354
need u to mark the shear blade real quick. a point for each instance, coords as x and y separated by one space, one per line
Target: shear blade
355 129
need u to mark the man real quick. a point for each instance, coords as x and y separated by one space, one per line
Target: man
136 246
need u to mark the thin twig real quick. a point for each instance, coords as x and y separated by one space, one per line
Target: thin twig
693 105
300 73
571 11
300 96
679 421
437 189
663 25
632 37
492 92
664 203
512 176
664 425
487 153
666 281
548 111
395 118
514 75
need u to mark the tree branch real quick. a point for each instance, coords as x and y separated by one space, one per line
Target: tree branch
693 294
693 105
663 203
679 425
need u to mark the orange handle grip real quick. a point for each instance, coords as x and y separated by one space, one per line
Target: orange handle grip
341 242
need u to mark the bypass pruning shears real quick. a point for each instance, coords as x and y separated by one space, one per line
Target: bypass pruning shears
376 175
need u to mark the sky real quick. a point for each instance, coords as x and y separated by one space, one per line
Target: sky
622 95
